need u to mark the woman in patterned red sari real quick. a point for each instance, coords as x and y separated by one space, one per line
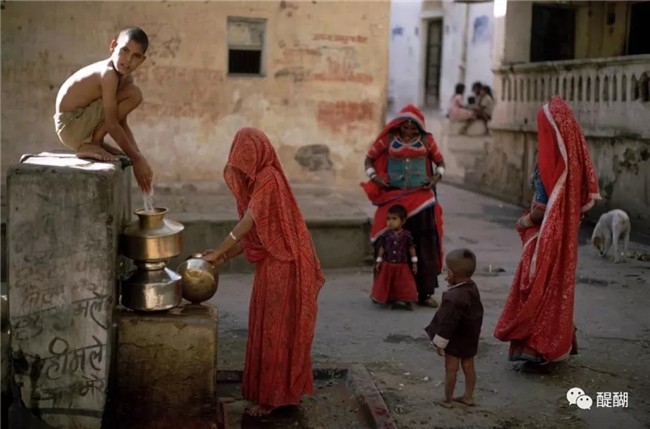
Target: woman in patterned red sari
273 235
400 166
537 318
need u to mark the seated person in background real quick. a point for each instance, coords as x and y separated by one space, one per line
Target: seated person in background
457 111
486 106
472 100
483 109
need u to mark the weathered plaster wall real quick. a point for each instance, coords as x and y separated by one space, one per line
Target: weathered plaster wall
503 168
407 56
325 82
623 167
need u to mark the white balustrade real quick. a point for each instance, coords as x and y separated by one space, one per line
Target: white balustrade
609 96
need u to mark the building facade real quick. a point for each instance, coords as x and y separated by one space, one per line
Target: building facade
312 75
596 55
433 46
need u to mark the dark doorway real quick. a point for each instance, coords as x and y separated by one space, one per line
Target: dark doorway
432 71
638 39
553 33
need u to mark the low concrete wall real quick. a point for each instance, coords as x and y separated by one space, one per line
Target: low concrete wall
338 242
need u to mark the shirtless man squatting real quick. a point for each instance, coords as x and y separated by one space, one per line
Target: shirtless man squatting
96 100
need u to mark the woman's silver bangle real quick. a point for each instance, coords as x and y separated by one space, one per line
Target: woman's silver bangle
370 171
233 236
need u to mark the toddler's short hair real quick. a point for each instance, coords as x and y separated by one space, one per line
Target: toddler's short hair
398 210
461 262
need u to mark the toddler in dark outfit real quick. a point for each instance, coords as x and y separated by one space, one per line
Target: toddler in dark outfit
456 326
396 263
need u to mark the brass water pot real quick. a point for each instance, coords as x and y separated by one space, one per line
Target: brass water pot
152 238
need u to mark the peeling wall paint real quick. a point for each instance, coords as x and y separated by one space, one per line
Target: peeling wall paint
325 79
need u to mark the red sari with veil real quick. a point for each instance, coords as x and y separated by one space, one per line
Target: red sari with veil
288 276
537 318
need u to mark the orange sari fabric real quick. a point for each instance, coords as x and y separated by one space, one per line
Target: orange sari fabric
288 275
538 315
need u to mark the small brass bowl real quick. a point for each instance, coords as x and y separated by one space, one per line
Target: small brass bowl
199 279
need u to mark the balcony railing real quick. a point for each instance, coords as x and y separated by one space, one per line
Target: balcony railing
609 96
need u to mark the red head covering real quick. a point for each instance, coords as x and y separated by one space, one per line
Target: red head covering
255 177
562 148
408 113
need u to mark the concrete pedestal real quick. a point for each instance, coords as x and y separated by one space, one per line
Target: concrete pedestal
167 366
64 218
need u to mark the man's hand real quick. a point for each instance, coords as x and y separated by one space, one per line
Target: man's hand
415 267
377 266
441 352
143 174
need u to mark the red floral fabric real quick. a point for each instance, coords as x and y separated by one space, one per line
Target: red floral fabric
288 275
538 315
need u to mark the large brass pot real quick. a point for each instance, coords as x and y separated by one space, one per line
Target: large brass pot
152 238
152 287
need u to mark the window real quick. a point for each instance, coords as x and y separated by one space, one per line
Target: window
638 39
246 46
553 33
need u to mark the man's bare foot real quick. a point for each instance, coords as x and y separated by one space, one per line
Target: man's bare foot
466 401
91 151
446 404
259 410
112 150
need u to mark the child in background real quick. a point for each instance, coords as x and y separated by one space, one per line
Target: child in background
456 326
396 263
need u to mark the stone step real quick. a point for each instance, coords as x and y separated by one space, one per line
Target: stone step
340 242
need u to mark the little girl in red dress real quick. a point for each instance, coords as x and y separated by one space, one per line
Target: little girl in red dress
396 263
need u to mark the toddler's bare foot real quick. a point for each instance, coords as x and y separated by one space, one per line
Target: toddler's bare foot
112 150
446 404
91 151
466 401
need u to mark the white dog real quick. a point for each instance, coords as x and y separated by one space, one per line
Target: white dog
611 228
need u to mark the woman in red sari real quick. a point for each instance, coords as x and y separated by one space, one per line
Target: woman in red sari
273 235
400 166
537 318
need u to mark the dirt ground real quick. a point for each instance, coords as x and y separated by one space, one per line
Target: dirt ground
610 313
